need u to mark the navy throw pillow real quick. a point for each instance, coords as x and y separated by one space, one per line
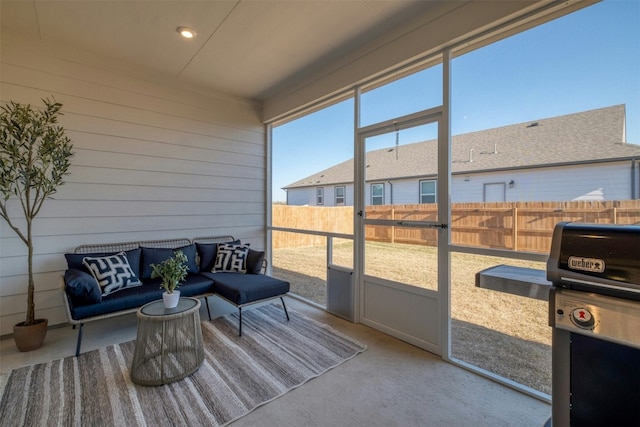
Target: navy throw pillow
157 255
82 287
254 261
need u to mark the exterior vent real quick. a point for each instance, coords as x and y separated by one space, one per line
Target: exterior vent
495 150
532 125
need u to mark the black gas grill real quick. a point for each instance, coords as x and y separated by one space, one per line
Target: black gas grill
594 309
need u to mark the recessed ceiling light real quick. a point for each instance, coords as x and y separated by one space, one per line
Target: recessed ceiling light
186 32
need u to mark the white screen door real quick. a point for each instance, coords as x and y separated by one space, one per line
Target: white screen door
399 236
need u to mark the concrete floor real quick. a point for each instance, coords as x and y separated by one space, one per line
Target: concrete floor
391 384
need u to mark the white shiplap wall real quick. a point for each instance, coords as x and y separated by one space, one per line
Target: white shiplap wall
152 160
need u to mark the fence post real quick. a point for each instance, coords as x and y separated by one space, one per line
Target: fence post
393 228
515 228
614 212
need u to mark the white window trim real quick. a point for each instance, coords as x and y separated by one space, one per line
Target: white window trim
344 195
434 194
320 196
372 196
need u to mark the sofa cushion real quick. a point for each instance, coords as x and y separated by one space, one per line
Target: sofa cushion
157 255
75 260
242 288
112 272
133 298
207 253
231 258
82 287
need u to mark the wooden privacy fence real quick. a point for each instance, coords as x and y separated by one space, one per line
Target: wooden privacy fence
518 226
338 219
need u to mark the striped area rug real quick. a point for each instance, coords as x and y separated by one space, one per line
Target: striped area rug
239 374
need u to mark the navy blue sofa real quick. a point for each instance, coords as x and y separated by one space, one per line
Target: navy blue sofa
92 269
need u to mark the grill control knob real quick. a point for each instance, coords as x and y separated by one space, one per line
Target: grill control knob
582 318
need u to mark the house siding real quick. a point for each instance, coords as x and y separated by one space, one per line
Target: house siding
405 191
295 197
596 181
302 198
599 181
152 160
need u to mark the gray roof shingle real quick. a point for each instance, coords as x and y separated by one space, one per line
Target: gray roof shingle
589 136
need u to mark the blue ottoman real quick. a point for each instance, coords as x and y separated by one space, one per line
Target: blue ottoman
242 289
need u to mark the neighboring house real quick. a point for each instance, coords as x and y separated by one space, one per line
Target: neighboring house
582 156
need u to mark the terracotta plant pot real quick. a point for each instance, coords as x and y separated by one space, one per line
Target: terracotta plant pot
171 300
29 338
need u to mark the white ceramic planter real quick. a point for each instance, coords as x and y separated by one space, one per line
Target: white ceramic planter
171 300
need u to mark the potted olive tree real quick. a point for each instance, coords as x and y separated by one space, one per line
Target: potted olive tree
35 156
172 271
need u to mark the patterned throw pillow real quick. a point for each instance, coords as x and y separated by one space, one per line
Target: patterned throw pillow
231 258
113 272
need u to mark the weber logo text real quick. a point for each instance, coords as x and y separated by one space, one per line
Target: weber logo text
593 265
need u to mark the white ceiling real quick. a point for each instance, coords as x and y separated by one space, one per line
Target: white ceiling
249 48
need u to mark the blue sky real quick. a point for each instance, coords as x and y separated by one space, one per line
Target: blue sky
587 60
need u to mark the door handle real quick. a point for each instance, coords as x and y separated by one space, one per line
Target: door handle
438 226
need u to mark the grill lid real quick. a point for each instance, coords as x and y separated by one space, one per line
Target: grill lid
595 257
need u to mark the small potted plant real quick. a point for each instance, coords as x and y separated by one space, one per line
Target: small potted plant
172 271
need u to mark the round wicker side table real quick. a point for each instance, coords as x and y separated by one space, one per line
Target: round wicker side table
169 343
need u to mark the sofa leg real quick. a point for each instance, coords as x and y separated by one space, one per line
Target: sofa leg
240 321
206 299
79 339
285 308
